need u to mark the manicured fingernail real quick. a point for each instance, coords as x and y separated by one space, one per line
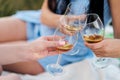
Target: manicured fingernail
61 42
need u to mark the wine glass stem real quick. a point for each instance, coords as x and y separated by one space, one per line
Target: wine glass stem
95 71
58 60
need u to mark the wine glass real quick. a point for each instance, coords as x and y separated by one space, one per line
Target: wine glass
73 9
73 21
94 32
70 42
71 16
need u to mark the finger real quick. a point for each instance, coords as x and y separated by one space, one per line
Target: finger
66 29
67 32
55 49
83 17
94 46
54 43
51 49
57 38
53 37
100 53
37 56
52 53
55 52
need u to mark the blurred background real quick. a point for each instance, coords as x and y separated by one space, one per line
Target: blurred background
9 7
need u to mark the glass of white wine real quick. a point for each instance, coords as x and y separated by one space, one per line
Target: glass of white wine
70 42
94 32
73 21
70 24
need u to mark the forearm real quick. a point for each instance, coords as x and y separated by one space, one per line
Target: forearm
49 18
115 10
12 53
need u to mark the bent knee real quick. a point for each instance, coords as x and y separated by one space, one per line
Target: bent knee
35 72
32 68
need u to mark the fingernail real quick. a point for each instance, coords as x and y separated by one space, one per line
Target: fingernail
61 42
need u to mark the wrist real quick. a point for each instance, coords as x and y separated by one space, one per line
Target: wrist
29 52
24 52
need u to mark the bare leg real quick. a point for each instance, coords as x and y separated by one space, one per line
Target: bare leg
32 68
12 29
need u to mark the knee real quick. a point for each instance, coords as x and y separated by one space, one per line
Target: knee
35 71
32 68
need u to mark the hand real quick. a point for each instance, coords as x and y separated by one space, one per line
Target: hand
106 48
44 46
70 24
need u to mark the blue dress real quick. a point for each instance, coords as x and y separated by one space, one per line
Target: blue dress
35 29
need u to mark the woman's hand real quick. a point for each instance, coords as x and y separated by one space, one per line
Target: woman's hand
106 48
42 47
71 24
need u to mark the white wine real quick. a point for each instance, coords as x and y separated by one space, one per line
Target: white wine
72 28
93 38
65 47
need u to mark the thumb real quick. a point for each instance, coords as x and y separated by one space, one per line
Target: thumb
54 43
94 46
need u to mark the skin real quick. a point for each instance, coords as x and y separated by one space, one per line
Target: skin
40 48
115 10
110 47
67 20
15 28
32 67
46 19
28 52
17 32
106 48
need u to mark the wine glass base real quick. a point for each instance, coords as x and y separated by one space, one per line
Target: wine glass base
101 63
55 69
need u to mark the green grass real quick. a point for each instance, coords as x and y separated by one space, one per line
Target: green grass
9 7
110 35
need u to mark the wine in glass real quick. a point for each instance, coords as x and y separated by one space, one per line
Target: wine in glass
70 42
68 27
93 32
73 21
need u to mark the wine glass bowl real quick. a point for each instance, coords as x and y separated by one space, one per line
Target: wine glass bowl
94 29
69 26
93 38
70 41
93 32
73 9
73 19
65 47
72 23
